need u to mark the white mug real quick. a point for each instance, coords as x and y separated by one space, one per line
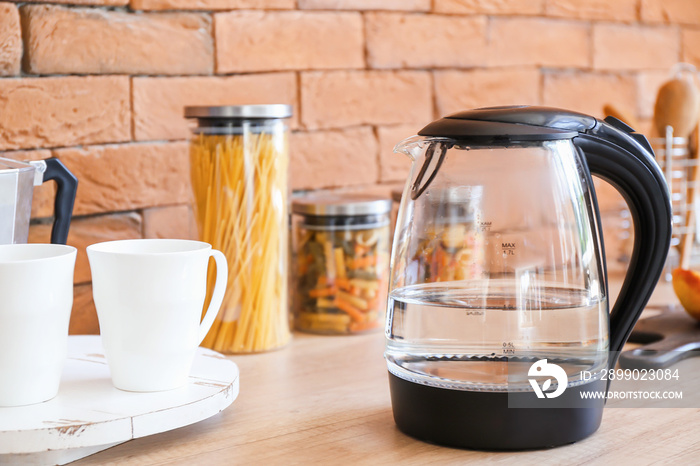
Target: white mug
36 297
149 295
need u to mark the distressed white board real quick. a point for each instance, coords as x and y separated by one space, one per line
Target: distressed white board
90 415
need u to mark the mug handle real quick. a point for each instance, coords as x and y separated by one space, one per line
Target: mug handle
217 296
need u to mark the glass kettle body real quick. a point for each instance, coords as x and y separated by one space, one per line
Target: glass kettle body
498 265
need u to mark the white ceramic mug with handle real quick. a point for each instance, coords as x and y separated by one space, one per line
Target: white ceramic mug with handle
149 295
36 297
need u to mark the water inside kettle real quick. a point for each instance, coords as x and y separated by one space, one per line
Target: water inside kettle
485 336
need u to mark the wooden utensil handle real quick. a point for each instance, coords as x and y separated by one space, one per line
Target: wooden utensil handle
613 111
686 240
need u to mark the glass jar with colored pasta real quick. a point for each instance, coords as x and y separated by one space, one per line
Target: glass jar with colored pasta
340 265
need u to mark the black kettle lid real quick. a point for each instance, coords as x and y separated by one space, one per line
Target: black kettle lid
510 124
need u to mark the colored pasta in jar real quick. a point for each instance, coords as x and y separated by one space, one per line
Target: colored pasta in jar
341 263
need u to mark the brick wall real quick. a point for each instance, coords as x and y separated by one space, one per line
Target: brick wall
100 84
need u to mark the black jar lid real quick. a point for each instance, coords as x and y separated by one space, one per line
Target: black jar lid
240 112
340 205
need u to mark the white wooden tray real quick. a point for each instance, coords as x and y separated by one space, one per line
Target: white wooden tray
90 415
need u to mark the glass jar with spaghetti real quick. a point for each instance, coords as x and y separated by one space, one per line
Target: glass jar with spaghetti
341 262
238 162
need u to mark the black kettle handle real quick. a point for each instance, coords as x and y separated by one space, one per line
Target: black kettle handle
66 188
625 159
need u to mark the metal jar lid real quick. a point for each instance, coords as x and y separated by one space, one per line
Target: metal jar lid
240 111
336 204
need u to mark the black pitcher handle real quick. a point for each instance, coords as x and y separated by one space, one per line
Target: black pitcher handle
66 188
625 159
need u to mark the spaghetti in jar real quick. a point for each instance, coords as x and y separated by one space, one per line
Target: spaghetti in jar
239 161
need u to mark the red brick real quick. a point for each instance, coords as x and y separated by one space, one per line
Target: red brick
44 195
606 10
408 5
501 7
622 47
159 102
399 40
60 111
690 39
89 230
175 222
617 249
462 90
324 159
646 127
63 40
393 166
27 155
589 92
648 84
347 98
671 11
83 318
84 2
43 200
538 41
381 190
611 206
301 40
10 40
211 4
609 198
124 177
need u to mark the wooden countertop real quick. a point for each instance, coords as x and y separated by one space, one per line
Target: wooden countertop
325 400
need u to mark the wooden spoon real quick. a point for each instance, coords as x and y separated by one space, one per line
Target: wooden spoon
677 106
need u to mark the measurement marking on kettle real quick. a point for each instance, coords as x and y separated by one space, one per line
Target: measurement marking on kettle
508 347
508 249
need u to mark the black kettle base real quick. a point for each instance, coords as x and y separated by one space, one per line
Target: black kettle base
483 420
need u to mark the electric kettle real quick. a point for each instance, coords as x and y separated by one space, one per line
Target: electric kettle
17 181
498 319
